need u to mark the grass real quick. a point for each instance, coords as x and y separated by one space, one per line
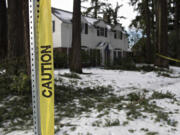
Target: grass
97 123
160 95
16 114
145 129
110 123
152 133
131 130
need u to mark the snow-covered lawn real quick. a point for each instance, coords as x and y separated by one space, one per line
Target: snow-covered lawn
155 112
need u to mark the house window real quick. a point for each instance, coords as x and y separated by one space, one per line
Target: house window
105 32
115 36
121 36
53 26
82 27
102 31
118 34
97 31
86 28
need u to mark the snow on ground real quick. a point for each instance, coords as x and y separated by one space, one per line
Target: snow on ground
123 82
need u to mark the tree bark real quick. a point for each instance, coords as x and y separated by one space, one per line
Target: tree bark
75 63
153 29
18 35
15 29
177 27
3 30
25 14
147 19
162 33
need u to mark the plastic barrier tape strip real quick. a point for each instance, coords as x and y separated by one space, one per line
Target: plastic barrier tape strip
168 58
46 67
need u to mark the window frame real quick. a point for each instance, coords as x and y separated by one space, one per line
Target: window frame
118 34
86 28
53 23
102 31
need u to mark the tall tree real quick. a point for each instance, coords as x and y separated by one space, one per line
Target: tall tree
110 14
95 9
115 13
25 15
147 18
96 4
3 29
143 22
162 32
15 29
177 27
75 62
18 35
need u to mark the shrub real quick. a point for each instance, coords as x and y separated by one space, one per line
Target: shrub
60 60
125 63
13 78
85 57
160 95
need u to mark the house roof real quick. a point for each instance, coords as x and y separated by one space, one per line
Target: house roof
66 17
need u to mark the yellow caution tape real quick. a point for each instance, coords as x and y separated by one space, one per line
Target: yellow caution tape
46 67
168 58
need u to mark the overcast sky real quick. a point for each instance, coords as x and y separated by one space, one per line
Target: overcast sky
126 11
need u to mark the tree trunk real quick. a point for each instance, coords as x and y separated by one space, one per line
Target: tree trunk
177 27
18 35
149 54
15 29
153 29
25 14
3 30
162 33
75 65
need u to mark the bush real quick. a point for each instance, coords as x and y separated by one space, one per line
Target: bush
14 84
13 78
60 59
125 63
85 57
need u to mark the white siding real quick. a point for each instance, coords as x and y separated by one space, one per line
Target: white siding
66 35
57 33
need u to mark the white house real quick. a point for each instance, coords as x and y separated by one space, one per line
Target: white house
109 42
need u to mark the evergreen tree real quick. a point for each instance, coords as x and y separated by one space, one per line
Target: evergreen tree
96 8
115 13
143 22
